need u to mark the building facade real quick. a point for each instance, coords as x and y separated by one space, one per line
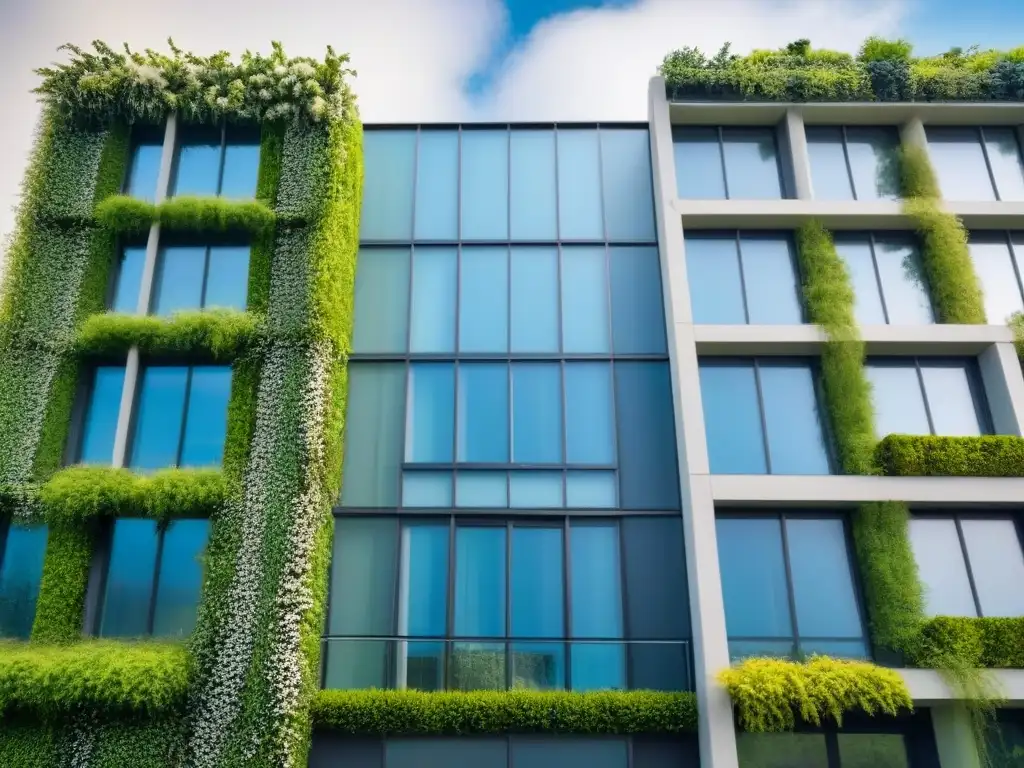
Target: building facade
398 446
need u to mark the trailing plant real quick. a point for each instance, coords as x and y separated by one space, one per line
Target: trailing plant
217 333
103 677
184 213
773 694
407 713
988 642
942 456
61 598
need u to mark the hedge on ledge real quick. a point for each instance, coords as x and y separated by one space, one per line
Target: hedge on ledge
222 334
131 216
773 694
977 643
387 712
941 456
79 493
102 677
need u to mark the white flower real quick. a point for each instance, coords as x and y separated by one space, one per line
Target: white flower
265 94
280 70
318 106
303 69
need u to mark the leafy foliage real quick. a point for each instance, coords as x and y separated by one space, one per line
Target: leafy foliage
988 642
389 713
217 334
184 213
944 456
772 694
139 742
26 743
61 598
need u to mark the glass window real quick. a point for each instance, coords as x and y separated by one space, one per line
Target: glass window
144 170
585 326
129 280
434 303
922 396
589 427
483 300
483 413
579 186
763 416
484 178
969 565
373 435
444 752
698 160
200 277
153 578
181 416
646 429
977 163
429 432
241 170
536 413
390 161
743 278
487 606
437 186
99 424
853 163
995 262
1005 738
888 279
534 300
638 319
381 303
829 749
21 572
208 162
532 191
571 752
734 163
788 587
626 183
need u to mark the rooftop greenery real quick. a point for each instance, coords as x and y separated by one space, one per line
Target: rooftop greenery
882 70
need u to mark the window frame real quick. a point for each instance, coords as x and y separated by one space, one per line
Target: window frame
207 243
5 530
844 143
979 135
975 384
785 193
782 515
1001 237
958 517
507 520
182 138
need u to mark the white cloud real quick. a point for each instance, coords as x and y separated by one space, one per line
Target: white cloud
413 56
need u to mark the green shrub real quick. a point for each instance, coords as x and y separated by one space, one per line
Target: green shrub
917 177
988 643
61 598
217 334
390 713
126 215
100 676
878 49
139 743
773 694
77 494
941 456
131 216
26 743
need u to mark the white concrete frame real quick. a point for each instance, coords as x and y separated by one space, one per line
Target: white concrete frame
700 491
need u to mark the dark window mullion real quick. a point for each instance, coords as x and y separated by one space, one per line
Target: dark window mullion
104 554
450 616
846 157
764 418
624 603
878 277
207 258
967 564
391 648
184 416
988 163
832 748
721 157
161 532
508 605
567 601
1016 266
924 396
743 278
222 157
791 596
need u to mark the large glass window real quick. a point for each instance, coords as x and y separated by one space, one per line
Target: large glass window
144 168
542 604
888 279
995 261
180 416
969 564
99 422
733 163
212 161
788 586
854 162
829 749
1005 738
22 551
922 396
763 416
743 277
977 163
153 578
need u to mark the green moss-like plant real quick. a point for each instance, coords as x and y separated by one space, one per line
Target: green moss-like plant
215 334
105 677
61 598
989 642
406 713
208 215
26 743
941 456
774 694
139 743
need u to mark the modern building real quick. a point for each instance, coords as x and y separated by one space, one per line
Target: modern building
624 405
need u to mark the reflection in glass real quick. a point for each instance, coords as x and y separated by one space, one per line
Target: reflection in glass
903 282
532 489
179 280
745 649
241 168
390 158
588 414
751 163
430 423
129 280
659 667
483 300
477 667
144 172
480 581
594 580
873 153
648 470
897 399
855 251
129 583
426 489
198 168
206 421
20 577
537 588
997 565
584 300
483 412
536 413
638 321
826 604
770 280
381 311
732 419
373 434
423 590
538 666
781 750
534 297
698 160
434 286
484 192
481 489
355 664
598 666
753 578
532 193
590 490
948 390
180 580
796 438
941 567
994 266
959 162
227 277
158 417
1005 159
420 665
713 272
437 186
872 750
363 568
579 186
829 174
626 181
100 423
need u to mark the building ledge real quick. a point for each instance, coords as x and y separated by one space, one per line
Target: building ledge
846 113
928 687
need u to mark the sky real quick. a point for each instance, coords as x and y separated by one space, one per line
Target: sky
463 60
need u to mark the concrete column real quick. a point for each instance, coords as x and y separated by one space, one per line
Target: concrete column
954 738
716 733
798 175
1004 388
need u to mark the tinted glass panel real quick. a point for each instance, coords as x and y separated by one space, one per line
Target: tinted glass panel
434 281
584 300
381 308
781 750
485 167
535 490
999 284
646 429
206 422
952 405
423 593
161 405
179 283
753 578
536 413
898 401
698 161
537 589
713 272
227 279
430 424
826 604
658 667
796 441
590 434
997 565
860 265
1007 166
751 163
437 186
829 174
637 307
872 750
959 163
579 186
903 282
480 582
732 419
181 578
101 417
481 489
628 195
534 312
532 186
598 666
198 168
145 170
596 597
20 576
388 189
356 664
873 161
483 300
363 568
483 412
655 578
770 278
941 568
570 752
427 489
129 280
129 586
241 167
373 434
444 753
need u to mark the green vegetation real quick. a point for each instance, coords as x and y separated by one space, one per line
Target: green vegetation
213 334
934 455
62 590
392 713
978 642
773 694
208 215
